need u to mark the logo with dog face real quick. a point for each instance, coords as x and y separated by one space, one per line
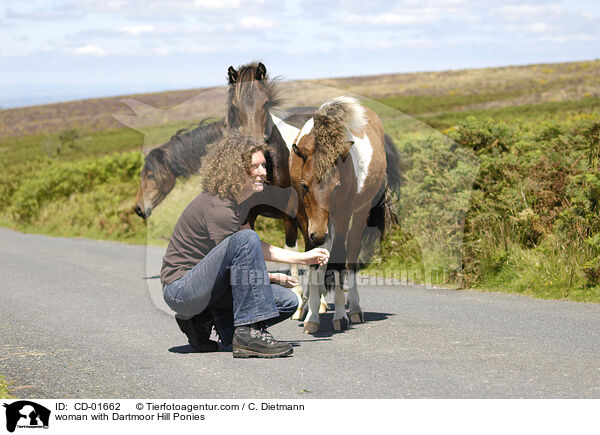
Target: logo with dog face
26 414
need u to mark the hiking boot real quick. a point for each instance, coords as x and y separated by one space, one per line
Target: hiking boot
198 330
254 341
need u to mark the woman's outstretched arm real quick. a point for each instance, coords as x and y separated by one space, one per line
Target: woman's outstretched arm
278 255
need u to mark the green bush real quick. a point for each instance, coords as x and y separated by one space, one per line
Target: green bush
539 198
531 218
59 180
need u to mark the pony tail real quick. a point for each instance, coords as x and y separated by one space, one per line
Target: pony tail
347 111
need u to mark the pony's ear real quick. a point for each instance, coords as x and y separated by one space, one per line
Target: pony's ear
261 71
344 154
298 152
232 75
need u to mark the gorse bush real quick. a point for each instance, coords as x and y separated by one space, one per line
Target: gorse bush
484 136
13 176
58 180
537 191
517 205
434 198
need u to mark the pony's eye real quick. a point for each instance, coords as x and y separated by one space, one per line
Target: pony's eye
150 176
305 187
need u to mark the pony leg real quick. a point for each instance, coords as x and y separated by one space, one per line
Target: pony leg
291 243
359 222
323 305
316 277
302 224
298 291
338 261
356 313
340 320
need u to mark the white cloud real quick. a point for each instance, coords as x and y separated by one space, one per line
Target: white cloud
392 19
539 27
570 38
92 50
222 4
137 30
159 8
41 15
534 28
255 23
527 10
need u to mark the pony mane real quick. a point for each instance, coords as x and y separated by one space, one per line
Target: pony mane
334 121
246 82
181 156
346 110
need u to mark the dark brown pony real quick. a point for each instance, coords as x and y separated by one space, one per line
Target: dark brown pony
180 157
252 94
338 168
251 97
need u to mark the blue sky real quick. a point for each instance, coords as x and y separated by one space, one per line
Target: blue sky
57 50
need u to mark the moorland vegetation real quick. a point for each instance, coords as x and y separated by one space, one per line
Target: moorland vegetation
527 140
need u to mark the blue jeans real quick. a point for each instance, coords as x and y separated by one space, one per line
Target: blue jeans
232 281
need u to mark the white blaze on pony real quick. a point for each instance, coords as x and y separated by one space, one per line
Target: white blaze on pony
337 193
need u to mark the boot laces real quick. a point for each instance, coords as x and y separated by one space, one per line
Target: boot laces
266 335
261 331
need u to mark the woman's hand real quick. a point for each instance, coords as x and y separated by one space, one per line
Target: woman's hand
283 279
318 256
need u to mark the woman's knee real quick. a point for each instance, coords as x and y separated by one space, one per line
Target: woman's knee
285 299
247 237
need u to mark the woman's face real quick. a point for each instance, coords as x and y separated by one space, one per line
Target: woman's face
258 172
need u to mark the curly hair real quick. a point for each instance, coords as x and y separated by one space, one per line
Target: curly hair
226 167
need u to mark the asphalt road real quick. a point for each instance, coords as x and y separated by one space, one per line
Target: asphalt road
83 319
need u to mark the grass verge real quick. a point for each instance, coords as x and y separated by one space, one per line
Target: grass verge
4 392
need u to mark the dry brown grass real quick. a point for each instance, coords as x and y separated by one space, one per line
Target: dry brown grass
577 78
507 86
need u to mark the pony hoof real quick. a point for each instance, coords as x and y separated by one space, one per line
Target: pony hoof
311 327
340 324
297 315
304 312
322 308
301 315
357 318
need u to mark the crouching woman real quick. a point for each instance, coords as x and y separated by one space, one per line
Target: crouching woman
214 270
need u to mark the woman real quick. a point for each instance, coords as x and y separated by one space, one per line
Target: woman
215 266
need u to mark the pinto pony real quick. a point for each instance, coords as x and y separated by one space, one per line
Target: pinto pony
338 168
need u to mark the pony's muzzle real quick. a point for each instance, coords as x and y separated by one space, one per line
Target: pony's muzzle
317 240
144 215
